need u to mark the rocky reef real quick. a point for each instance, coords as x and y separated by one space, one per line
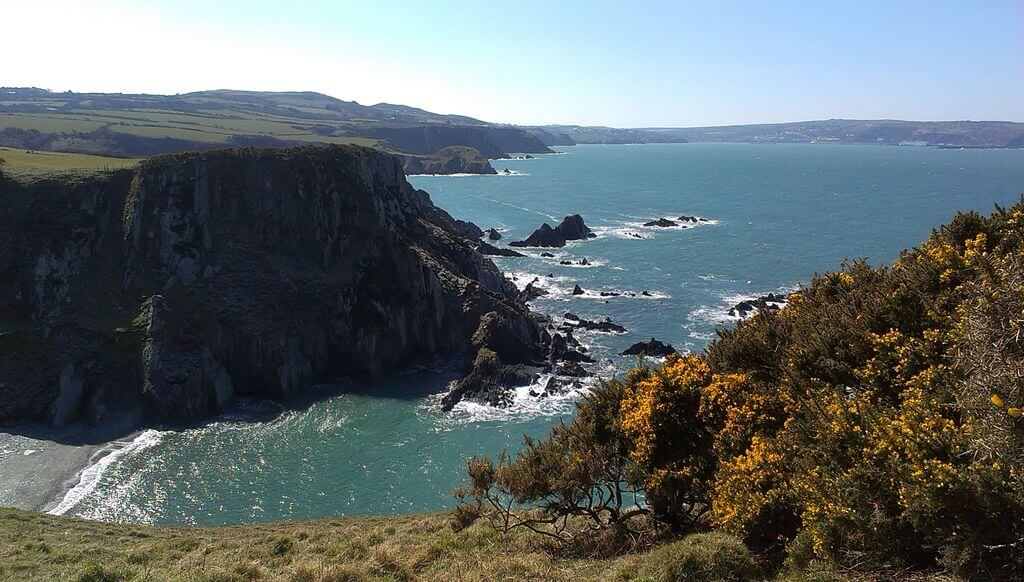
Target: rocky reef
160 294
747 307
651 348
572 227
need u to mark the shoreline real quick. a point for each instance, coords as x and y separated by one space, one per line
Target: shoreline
56 460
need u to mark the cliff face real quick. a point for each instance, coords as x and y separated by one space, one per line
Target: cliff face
160 294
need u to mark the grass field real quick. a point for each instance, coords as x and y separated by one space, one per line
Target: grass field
195 127
22 162
405 547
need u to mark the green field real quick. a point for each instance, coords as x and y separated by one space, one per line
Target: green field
203 126
22 162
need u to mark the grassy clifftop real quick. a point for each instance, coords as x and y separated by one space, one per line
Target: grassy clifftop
406 547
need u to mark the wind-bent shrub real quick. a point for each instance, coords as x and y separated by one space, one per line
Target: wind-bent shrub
574 481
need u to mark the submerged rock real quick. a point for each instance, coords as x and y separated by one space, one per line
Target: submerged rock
571 228
650 348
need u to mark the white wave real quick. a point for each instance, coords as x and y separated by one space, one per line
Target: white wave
640 225
719 315
621 294
524 405
90 477
508 172
522 279
559 256
618 232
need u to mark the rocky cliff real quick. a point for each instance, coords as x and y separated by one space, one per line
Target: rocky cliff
450 160
160 294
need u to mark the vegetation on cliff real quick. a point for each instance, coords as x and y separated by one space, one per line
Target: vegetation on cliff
874 423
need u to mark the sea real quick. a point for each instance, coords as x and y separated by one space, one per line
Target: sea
774 215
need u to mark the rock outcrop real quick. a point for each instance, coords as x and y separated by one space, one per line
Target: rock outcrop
160 294
771 301
485 248
571 228
449 160
651 348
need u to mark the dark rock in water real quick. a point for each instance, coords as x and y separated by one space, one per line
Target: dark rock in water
159 294
571 228
564 349
585 262
488 381
634 235
488 249
493 234
572 369
650 348
610 294
533 291
662 222
547 255
605 325
686 218
646 293
571 315
577 290
565 262
769 302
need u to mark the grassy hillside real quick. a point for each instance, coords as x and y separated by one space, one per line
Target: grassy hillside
971 134
144 125
29 162
407 547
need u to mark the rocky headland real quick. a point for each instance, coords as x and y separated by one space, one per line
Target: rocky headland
160 294
449 160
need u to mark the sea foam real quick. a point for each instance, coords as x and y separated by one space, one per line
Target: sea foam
91 475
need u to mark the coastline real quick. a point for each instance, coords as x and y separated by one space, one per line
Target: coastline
56 460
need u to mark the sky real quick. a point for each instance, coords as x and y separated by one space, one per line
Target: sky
622 64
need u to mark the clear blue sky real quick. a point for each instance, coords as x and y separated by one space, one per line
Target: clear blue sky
626 63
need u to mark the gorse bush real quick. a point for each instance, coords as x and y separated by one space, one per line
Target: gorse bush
877 420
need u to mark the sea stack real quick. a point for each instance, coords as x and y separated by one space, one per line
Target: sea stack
572 227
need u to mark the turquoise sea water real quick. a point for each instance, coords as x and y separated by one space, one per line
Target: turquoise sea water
780 213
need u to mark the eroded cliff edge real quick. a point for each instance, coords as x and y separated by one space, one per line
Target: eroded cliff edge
160 294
